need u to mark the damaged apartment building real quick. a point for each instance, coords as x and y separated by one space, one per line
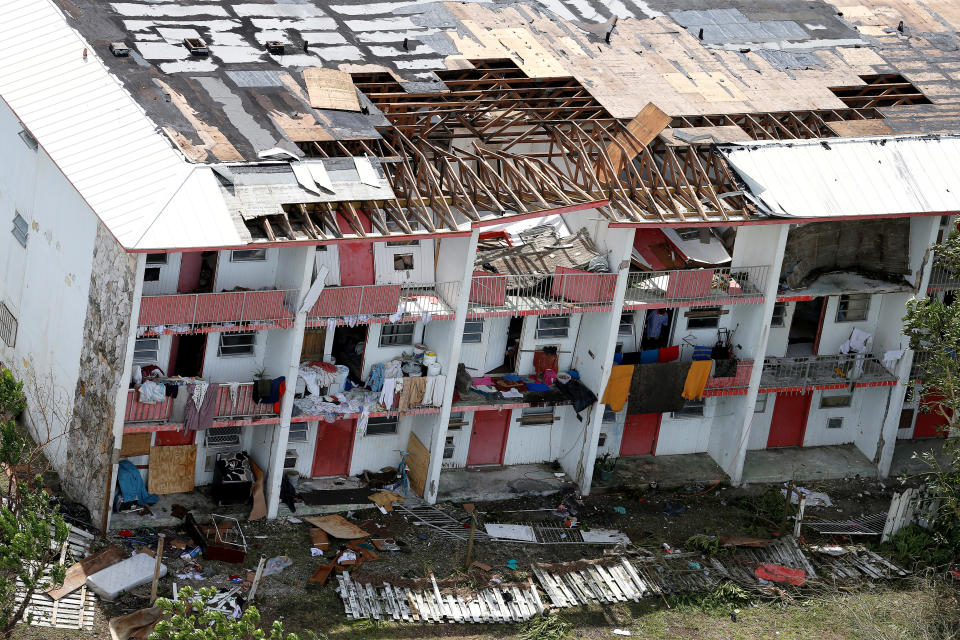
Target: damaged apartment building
485 234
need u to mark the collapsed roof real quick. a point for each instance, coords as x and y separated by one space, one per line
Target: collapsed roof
459 113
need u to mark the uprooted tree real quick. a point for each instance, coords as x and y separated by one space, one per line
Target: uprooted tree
187 618
933 328
32 532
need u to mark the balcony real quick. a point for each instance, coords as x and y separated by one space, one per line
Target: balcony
229 411
381 300
226 311
942 278
824 372
564 291
695 287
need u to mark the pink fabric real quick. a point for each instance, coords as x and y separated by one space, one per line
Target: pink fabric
549 376
778 573
484 380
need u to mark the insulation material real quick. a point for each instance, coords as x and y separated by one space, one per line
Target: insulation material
875 247
172 469
124 576
331 89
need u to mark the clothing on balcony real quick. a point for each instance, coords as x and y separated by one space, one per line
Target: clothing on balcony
618 387
199 417
658 387
697 378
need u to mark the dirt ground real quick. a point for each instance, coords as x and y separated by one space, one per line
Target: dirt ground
287 596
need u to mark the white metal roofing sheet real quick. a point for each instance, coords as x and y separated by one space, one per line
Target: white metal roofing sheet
99 137
851 176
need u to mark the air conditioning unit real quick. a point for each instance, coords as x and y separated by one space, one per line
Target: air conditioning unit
290 460
211 459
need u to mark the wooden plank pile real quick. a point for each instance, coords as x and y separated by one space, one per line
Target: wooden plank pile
591 581
73 611
495 604
846 564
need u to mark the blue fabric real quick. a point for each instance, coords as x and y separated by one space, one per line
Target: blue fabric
574 374
702 353
537 386
618 357
131 484
649 356
511 377
375 381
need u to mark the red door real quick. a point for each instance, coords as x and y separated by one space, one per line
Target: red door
356 258
640 434
789 420
929 424
489 437
334 448
190 263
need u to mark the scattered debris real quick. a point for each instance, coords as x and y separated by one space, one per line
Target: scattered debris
124 576
337 526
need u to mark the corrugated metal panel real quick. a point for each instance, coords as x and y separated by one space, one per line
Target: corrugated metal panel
854 176
99 137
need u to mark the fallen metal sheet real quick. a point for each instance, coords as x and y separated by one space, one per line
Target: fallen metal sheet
511 532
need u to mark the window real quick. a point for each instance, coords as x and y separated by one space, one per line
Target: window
836 402
456 422
853 307
553 327
8 326
626 325
382 426
761 406
21 230
151 274
609 415
403 262
472 331
403 243
146 351
536 415
602 440
236 344
835 423
779 314
298 432
705 318
248 255
28 139
396 335
156 258
448 448
222 437
691 409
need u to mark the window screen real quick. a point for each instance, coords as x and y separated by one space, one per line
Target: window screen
393 335
853 307
237 344
553 327
146 351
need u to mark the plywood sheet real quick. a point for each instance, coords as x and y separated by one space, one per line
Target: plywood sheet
135 444
417 463
337 526
172 469
646 126
853 128
331 89
77 574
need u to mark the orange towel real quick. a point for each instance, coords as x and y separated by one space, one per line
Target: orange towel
697 379
618 387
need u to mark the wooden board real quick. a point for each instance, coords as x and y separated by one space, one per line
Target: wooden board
417 463
331 89
135 444
646 126
854 128
77 574
172 469
337 526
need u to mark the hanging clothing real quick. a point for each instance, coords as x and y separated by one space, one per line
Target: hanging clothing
393 369
543 361
859 342
658 387
669 354
152 392
387 391
130 485
702 353
412 394
655 323
199 392
649 356
696 380
281 389
198 418
890 358
375 379
434 397
618 387
234 388
580 396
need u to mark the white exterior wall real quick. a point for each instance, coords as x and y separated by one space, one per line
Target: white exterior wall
834 333
423 258
374 353
253 274
686 435
760 427
45 285
488 354
169 277
535 443
374 452
779 336
328 255
461 440
529 343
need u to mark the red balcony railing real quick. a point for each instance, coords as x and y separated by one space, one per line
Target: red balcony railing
229 307
565 290
685 287
438 298
244 407
140 412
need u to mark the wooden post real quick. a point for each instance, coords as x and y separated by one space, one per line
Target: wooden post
473 527
786 506
799 521
156 569
256 578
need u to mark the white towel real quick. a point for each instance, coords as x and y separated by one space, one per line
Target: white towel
858 343
386 393
890 358
331 324
234 394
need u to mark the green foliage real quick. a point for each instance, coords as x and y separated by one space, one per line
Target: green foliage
545 627
12 399
707 545
724 598
188 620
914 545
763 514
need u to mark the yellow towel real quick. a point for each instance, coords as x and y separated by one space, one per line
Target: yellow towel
618 387
697 378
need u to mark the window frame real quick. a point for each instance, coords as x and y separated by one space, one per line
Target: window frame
688 412
629 323
137 347
537 416
705 321
235 431
551 333
151 274
379 421
238 354
249 255
28 139
449 447
403 261
839 396
8 326
844 307
779 317
393 333
20 229
761 407
155 259
609 415
297 428
473 333
835 422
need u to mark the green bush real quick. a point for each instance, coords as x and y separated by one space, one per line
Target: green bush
915 545
12 400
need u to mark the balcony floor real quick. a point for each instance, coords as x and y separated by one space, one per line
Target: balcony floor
806 463
668 471
484 484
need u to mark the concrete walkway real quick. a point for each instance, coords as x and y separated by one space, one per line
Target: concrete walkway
806 463
483 484
667 471
907 456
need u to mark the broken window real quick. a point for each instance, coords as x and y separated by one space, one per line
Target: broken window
705 318
248 255
382 426
536 415
472 331
448 448
553 327
853 307
21 230
779 313
237 344
836 402
151 274
146 351
403 262
156 258
8 326
396 335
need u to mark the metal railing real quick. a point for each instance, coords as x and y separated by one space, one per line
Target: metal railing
436 298
943 278
823 370
244 407
565 289
194 310
726 285
137 411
